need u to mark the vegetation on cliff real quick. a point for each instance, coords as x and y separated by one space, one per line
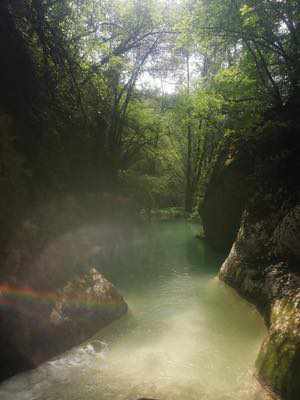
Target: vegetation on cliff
136 97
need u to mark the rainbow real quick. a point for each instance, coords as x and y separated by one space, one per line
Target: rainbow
11 295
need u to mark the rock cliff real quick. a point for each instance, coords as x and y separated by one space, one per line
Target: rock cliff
260 219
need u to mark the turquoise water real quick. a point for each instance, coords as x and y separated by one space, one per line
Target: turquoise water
187 336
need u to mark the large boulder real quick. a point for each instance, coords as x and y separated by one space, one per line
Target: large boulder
36 326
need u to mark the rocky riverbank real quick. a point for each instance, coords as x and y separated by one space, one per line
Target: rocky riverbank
274 288
255 192
50 298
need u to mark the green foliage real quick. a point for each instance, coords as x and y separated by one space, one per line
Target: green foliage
155 176
241 107
265 35
81 123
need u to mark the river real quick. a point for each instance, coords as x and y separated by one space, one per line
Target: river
187 336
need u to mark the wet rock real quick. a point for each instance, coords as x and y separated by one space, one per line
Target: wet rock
145 398
85 303
264 231
278 363
275 289
35 326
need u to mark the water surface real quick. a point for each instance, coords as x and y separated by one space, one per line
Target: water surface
186 337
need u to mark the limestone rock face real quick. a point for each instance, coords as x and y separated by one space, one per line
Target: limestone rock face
225 199
35 326
252 206
254 270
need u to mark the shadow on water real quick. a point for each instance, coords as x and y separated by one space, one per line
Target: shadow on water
156 250
202 257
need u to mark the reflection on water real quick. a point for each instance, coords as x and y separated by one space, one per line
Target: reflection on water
187 336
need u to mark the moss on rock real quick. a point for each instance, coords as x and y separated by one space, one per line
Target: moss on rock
275 290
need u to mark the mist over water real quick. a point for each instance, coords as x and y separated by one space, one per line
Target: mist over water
187 336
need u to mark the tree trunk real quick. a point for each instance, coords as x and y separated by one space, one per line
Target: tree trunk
189 181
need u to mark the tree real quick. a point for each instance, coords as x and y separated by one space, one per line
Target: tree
264 32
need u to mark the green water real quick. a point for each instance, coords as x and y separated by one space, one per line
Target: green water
187 336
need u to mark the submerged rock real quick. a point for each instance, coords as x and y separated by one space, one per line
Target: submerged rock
35 326
145 398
